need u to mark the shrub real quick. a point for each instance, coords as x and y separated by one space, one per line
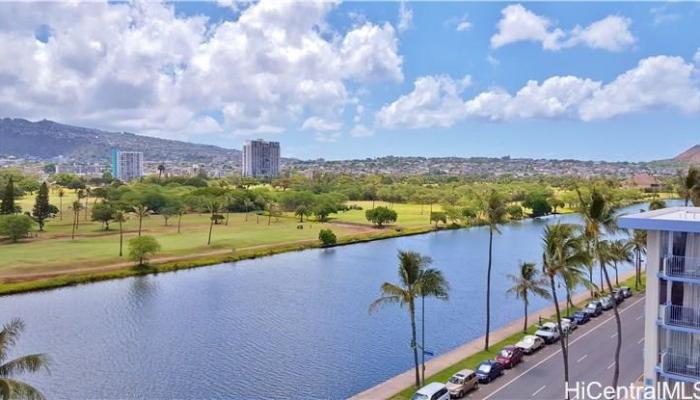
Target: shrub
381 215
438 216
327 237
15 226
141 247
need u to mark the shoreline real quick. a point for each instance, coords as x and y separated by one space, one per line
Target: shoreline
405 380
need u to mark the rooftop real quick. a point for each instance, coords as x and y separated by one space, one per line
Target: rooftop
675 219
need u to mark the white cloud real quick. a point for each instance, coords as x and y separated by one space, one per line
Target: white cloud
518 24
361 131
656 82
331 137
696 57
320 125
661 15
140 66
405 17
464 26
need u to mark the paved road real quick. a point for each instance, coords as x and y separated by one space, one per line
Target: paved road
591 352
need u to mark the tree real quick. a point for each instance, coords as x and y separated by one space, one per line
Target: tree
120 218
657 204
10 387
327 237
639 246
15 226
381 215
621 252
7 206
272 210
42 209
438 216
75 207
562 249
213 208
167 213
539 204
87 192
689 183
527 281
102 212
161 170
141 247
248 205
515 212
494 210
416 279
141 212
301 212
61 193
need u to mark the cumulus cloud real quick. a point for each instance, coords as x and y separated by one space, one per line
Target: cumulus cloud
518 24
405 17
696 57
320 125
656 82
144 67
460 24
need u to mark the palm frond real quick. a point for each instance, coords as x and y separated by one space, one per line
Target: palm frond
9 335
28 363
13 389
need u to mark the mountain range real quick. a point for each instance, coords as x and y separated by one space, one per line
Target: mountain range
690 156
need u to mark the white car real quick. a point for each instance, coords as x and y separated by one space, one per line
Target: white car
432 391
568 325
549 332
530 344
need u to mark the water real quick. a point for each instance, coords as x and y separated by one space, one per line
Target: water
293 325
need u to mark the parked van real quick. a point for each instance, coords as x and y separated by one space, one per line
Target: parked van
432 391
462 382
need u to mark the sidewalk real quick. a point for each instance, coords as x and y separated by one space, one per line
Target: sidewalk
400 382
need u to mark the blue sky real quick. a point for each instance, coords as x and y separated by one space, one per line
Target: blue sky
612 81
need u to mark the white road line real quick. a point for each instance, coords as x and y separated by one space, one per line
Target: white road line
640 341
558 351
611 365
639 317
614 335
539 390
582 358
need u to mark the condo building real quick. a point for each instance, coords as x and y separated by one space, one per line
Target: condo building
261 159
127 165
672 304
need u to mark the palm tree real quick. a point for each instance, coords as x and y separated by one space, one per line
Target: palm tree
11 388
435 285
271 209
527 281
415 280
61 193
495 214
657 204
599 216
689 183
562 250
247 205
120 217
213 208
301 212
88 192
76 207
161 170
141 212
621 252
639 247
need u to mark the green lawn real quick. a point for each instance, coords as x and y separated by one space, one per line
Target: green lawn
408 214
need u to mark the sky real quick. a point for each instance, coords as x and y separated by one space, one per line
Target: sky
598 81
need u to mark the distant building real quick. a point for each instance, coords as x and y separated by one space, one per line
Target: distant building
127 165
643 181
261 159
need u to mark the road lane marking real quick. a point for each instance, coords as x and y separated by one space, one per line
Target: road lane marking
559 351
640 341
611 365
539 390
639 317
582 358
613 336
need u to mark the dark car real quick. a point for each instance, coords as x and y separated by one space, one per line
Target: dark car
626 291
581 317
510 356
489 370
618 296
594 308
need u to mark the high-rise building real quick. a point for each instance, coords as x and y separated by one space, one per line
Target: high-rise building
127 165
261 159
672 308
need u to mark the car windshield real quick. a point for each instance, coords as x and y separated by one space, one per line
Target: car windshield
457 380
485 368
419 396
504 353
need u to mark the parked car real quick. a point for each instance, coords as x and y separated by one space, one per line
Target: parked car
594 308
432 391
549 332
581 317
510 356
618 296
489 370
606 302
626 291
462 382
568 324
530 344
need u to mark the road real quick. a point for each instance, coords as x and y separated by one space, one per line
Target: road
591 352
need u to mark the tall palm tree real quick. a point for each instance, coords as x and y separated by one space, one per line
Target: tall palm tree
689 183
213 208
141 212
415 280
621 252
599 217
528 281
11 388
301 212
88 192
161 170
61 193
76 207
639 247
247 205
120 218
494 214
562 250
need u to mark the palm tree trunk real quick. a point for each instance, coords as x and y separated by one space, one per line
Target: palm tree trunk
430 215
616 373
564 349
72 235
179 219
412 311
488 290
525 323
121 238
140 221
86 207
211 226
617 281
60 205
227 214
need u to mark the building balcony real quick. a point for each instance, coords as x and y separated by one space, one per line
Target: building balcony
686 268
685 317
681 365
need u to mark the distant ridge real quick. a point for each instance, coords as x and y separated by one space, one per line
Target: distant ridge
47 139
692 155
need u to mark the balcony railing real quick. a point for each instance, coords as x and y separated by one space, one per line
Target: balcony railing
682 267
682 316
680 364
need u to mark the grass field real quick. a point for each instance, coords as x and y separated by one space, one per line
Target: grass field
408 214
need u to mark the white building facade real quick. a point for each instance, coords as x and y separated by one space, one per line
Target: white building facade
127 165
261 159
672 309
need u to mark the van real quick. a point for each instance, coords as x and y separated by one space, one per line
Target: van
462 382
432 391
